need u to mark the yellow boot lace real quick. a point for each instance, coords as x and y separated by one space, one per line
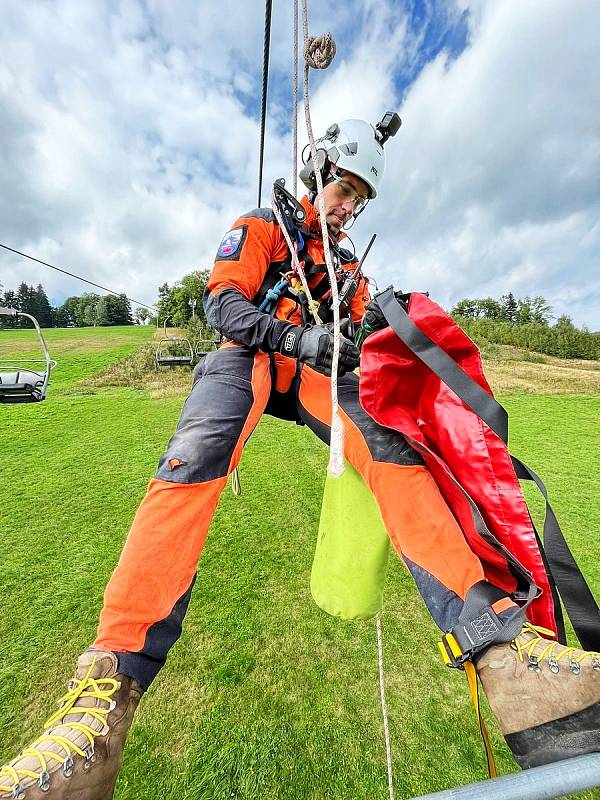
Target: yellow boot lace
86 687
553 652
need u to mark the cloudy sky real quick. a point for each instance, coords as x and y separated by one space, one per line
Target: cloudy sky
129 138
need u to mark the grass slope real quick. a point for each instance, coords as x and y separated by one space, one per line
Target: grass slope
79 352
264 696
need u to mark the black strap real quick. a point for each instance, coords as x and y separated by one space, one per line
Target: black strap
575 593
572 586
438 361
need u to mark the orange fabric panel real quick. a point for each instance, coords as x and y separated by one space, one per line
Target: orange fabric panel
418 521
503 604
422 527
161 553
158 562
289 311
261 389
360 300
285 371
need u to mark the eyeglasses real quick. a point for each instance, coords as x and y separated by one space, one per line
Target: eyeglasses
348 192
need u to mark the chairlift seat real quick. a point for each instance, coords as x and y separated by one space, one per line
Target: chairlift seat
164 355
205 346
25 385
22 386
183 361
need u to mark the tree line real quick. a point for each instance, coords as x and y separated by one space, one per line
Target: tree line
78 311
182 302
521 322
525 323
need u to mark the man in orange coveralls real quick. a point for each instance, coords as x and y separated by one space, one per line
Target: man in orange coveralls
277 363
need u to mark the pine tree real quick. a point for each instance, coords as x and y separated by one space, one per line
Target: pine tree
43 309
510 307
25 303
9 301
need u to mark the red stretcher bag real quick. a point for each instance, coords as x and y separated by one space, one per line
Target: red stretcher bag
422 376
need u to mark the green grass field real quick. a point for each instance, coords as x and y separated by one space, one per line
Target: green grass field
264 697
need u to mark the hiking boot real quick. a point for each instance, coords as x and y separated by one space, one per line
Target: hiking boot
79 755
545 696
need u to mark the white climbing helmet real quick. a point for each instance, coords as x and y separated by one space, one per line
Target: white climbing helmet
352 146
355 146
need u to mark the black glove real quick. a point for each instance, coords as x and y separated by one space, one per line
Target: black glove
373 319
313 345
346 328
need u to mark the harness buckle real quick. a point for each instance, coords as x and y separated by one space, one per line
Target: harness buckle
479 626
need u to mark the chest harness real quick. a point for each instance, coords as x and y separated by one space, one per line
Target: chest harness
281 279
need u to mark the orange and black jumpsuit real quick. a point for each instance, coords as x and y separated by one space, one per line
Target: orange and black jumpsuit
148 594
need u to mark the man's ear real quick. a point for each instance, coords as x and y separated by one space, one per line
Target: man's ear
307 173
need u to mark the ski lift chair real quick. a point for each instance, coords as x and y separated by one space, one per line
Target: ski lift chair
165 351
205 346
25 384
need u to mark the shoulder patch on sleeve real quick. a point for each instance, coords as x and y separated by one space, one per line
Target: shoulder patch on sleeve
231 244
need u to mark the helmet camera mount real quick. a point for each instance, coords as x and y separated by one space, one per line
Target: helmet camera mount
388 126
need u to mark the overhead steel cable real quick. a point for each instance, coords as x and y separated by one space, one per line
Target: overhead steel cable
265 83
78 277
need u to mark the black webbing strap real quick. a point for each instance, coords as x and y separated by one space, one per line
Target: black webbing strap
572 586
575 593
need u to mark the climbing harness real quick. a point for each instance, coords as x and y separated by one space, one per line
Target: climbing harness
25 384
166 355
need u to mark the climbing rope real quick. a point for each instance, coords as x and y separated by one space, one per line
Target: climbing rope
319 52
386 729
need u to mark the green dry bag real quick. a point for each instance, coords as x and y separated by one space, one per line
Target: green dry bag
351 556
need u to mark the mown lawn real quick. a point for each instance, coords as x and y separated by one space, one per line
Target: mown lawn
264 696
79 352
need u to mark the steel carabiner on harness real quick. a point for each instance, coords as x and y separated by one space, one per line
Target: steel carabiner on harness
291 209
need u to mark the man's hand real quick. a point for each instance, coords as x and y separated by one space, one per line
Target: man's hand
373 318
313 345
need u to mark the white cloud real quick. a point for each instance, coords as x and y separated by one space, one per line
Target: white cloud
129 141
493 181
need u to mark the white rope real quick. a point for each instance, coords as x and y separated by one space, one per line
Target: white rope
386 730
296 266
319 54
336 448
295 113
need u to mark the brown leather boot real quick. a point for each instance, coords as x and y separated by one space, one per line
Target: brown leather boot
546 697
79 755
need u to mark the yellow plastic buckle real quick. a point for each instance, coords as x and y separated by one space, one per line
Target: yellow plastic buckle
452 655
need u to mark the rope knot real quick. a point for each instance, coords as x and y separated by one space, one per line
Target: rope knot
319 51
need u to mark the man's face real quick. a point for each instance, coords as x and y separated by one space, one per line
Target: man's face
339 198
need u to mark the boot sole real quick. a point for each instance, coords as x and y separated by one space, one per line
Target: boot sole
562 738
